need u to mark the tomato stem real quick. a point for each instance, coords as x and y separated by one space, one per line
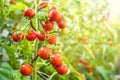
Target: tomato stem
32 25
34 59
41 75
34 75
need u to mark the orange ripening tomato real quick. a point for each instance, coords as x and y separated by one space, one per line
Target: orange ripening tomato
110 43
80 37
12 1
86 41
89 68
81 60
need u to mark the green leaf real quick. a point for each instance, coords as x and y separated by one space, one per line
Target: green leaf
5 72
88 51
11 50
17 6
2 11
71 70
102 72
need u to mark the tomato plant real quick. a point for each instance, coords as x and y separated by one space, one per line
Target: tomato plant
57 40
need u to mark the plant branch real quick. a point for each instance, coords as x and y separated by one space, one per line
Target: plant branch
41 75
34 59
32 25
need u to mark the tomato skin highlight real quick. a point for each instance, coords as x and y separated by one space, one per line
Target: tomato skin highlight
61 24
18 37
44 53
48 26
31 36
62 69
52 40
56 60
40 36
29 12
26 69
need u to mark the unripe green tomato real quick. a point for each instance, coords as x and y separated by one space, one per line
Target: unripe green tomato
64 31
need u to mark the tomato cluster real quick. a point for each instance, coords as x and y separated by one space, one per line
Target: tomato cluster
44 52
55 15
55 60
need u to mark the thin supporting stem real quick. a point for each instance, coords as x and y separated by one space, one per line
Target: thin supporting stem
35 47
52 75
42 76
32 25
34 59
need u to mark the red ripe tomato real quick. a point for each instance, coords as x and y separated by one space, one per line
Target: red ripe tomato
55 15
61 24
81 60
48 26
52 40
17 37
29 12
44 4
62 69
31 36
12 1
40 36
26 69
56 60
52 8
44 53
